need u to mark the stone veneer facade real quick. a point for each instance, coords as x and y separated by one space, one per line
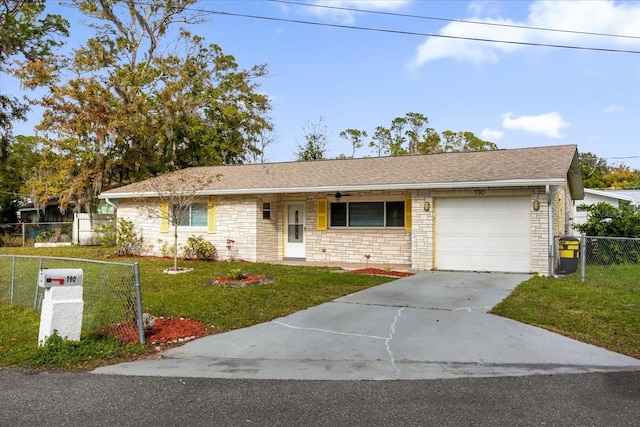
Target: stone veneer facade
260 237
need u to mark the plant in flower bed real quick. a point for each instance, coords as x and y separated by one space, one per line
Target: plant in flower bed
236 278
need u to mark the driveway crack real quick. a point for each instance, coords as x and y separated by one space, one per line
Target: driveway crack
392 330
329 331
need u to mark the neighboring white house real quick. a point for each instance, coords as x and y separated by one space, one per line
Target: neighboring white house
469 211
592 197
633 194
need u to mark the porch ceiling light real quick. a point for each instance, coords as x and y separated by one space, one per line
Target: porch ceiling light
338 196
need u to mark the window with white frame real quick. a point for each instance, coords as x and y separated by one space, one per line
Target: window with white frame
194 215
366 214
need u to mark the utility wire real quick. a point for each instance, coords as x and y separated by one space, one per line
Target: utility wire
414 33
464 21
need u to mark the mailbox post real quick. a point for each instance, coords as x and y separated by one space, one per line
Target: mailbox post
62 305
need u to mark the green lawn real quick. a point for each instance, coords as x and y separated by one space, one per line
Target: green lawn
605 311
182 295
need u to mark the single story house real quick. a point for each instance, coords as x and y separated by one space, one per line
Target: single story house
469 211
592 197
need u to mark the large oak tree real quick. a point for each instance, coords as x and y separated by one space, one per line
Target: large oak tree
143 96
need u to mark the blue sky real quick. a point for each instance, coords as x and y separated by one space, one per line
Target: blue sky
513 95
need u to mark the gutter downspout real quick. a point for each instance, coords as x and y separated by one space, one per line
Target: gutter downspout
550 232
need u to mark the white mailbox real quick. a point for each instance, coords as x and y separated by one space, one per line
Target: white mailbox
52 277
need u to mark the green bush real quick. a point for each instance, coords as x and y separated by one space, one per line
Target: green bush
106 234
609 221
198 247
44 236
236 274
121 234
605 220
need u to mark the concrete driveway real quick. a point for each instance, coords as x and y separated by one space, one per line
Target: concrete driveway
430 325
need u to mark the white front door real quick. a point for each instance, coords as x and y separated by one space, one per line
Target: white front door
295 244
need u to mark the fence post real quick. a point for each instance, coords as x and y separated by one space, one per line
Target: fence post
583 258
136 270
35 298
13 278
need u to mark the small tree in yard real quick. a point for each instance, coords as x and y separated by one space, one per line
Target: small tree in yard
176 192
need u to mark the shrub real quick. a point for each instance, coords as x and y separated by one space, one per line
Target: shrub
121 234
610 221
236 274
44 236
106 234
605 220
198 247
165 249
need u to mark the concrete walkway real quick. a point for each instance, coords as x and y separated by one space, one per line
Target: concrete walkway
430 325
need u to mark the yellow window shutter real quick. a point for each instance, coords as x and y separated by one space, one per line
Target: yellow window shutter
211 215
322 215
164 217
407 213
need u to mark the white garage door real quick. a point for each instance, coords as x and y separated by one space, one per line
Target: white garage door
483 234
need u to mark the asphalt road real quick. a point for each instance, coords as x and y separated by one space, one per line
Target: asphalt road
64 399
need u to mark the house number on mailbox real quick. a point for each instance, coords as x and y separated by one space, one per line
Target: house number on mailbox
479 192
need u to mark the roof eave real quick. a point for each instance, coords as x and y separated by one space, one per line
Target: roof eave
364 187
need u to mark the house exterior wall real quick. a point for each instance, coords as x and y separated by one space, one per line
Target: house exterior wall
350 245
268 233
240 219
236 220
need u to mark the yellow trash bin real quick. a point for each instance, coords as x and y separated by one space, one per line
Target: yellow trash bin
569 254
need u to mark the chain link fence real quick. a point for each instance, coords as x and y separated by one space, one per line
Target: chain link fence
111 291
608 261
79 231
28 234
614 261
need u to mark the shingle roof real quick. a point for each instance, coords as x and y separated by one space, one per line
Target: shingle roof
524 166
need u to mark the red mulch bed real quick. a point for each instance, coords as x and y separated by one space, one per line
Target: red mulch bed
165 330
381 272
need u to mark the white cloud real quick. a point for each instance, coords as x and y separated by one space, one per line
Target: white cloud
586 16
491 135
548 124
347 17
613 108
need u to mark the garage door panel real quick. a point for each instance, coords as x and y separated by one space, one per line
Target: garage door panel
486 234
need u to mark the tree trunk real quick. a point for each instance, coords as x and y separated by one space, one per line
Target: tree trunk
175 247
